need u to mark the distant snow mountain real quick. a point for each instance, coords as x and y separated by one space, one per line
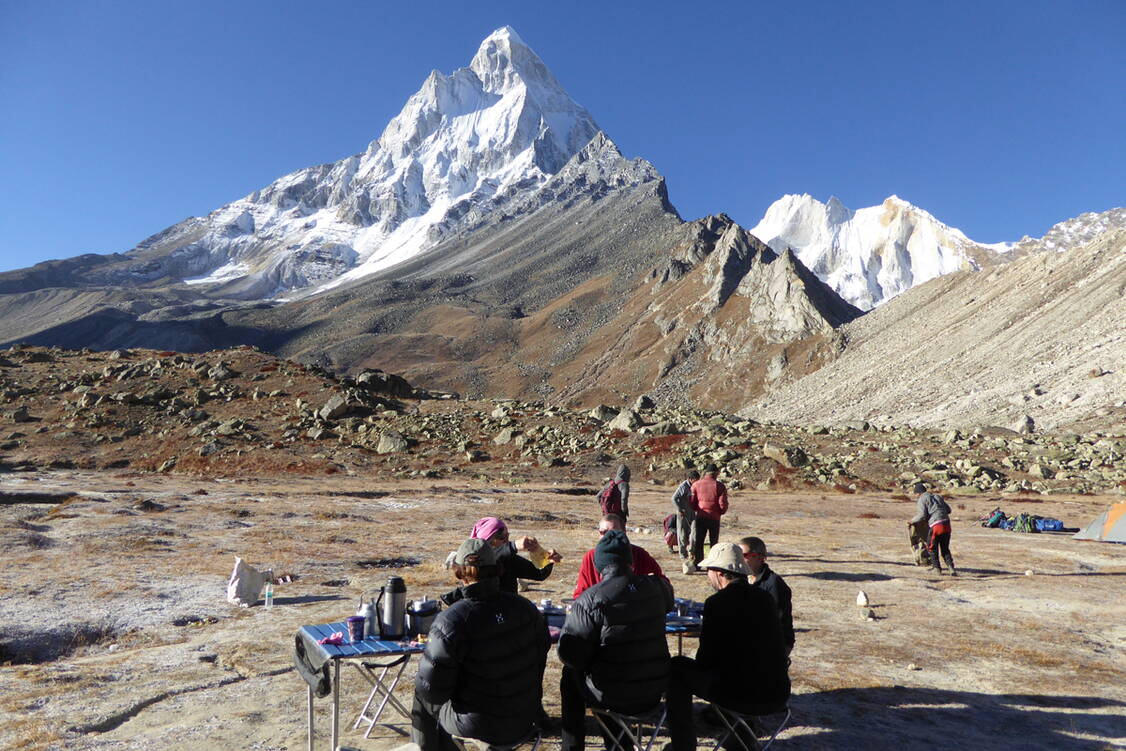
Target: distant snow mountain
500 127
869 255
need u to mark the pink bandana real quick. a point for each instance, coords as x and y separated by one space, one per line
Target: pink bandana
487 527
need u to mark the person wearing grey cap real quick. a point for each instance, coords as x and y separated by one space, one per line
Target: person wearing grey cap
481 675
613 646
741 662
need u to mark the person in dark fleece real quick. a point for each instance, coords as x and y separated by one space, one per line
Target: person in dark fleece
613 645
764 577
741 663
482 672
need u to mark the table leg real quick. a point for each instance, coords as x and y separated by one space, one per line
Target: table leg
679 644
310 692
335 704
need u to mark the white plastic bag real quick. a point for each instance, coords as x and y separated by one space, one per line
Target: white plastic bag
246 583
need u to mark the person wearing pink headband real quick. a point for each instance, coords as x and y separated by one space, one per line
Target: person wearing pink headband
513 567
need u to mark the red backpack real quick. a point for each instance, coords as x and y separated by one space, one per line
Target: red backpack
610 499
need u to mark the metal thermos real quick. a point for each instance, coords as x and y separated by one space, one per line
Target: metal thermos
367 610
392 609
420 616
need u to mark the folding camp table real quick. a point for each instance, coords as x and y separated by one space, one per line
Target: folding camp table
383 683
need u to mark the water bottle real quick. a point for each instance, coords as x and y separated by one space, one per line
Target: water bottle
371 627
269 595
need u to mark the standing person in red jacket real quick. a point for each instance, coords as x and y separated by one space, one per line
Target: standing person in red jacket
642 563
709 501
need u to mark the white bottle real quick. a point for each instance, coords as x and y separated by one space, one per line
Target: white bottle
269 596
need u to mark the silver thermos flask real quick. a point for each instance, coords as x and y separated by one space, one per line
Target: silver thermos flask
393 612
367 610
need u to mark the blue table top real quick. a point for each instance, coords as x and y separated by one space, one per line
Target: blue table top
366 648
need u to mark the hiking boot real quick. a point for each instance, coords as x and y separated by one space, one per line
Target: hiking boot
953 572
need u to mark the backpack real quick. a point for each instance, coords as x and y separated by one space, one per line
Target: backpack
994 518
1024 523
610 499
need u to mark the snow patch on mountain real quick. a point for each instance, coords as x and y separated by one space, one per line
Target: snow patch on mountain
869 255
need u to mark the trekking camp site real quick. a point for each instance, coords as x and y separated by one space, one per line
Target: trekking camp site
232 550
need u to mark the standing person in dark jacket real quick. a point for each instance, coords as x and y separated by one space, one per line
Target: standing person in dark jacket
513 566
763 577
709 502
741 663
482 672
685 516
613 645
936 512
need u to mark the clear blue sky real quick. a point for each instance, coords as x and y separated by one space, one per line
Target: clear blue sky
1001 118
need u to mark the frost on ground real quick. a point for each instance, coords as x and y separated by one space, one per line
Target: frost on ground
117 634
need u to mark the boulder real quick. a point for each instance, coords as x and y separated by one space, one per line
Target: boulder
1041 471
627 420
643 402
385 383
391 442
602 413
787 456
505 436
1025 425
336 406
20 414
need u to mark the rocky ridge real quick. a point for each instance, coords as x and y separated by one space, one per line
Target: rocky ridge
241 411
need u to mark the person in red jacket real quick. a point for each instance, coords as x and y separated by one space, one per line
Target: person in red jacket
643 563
709 501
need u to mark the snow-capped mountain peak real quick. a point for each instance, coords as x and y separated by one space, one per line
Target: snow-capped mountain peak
868 255
464 141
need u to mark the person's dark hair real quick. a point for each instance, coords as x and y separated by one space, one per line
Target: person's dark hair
693 474
616 519
729 576
711 469
754 544
919 488
470 572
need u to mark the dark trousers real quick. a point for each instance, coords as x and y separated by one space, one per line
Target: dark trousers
426 729
687 679
700 528
941 543
575 699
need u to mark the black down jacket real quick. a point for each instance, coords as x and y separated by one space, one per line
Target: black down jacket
486 657
615 636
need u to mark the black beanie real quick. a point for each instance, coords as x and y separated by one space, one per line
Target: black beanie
613 548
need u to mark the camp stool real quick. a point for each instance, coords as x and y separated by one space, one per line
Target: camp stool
627 730
735 721
378 686
464 743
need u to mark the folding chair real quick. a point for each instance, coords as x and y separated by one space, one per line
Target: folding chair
735 721
379 686
626 730
534 736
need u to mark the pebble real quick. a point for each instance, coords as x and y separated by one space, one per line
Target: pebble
1028 572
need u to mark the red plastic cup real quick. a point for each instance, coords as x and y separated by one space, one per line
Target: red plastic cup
355 627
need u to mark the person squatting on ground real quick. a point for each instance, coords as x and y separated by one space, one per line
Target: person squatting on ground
642 563
685 516
513 567
709 503
613 646
763 577
937 513
481 675
614 497
741 662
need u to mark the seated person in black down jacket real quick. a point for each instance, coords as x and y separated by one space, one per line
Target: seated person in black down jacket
741 663
482 672
613 645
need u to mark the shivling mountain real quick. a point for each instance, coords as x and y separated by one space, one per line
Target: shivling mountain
493 241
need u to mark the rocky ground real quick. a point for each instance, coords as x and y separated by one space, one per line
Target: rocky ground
132 479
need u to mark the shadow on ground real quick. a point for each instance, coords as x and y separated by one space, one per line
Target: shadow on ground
906 718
